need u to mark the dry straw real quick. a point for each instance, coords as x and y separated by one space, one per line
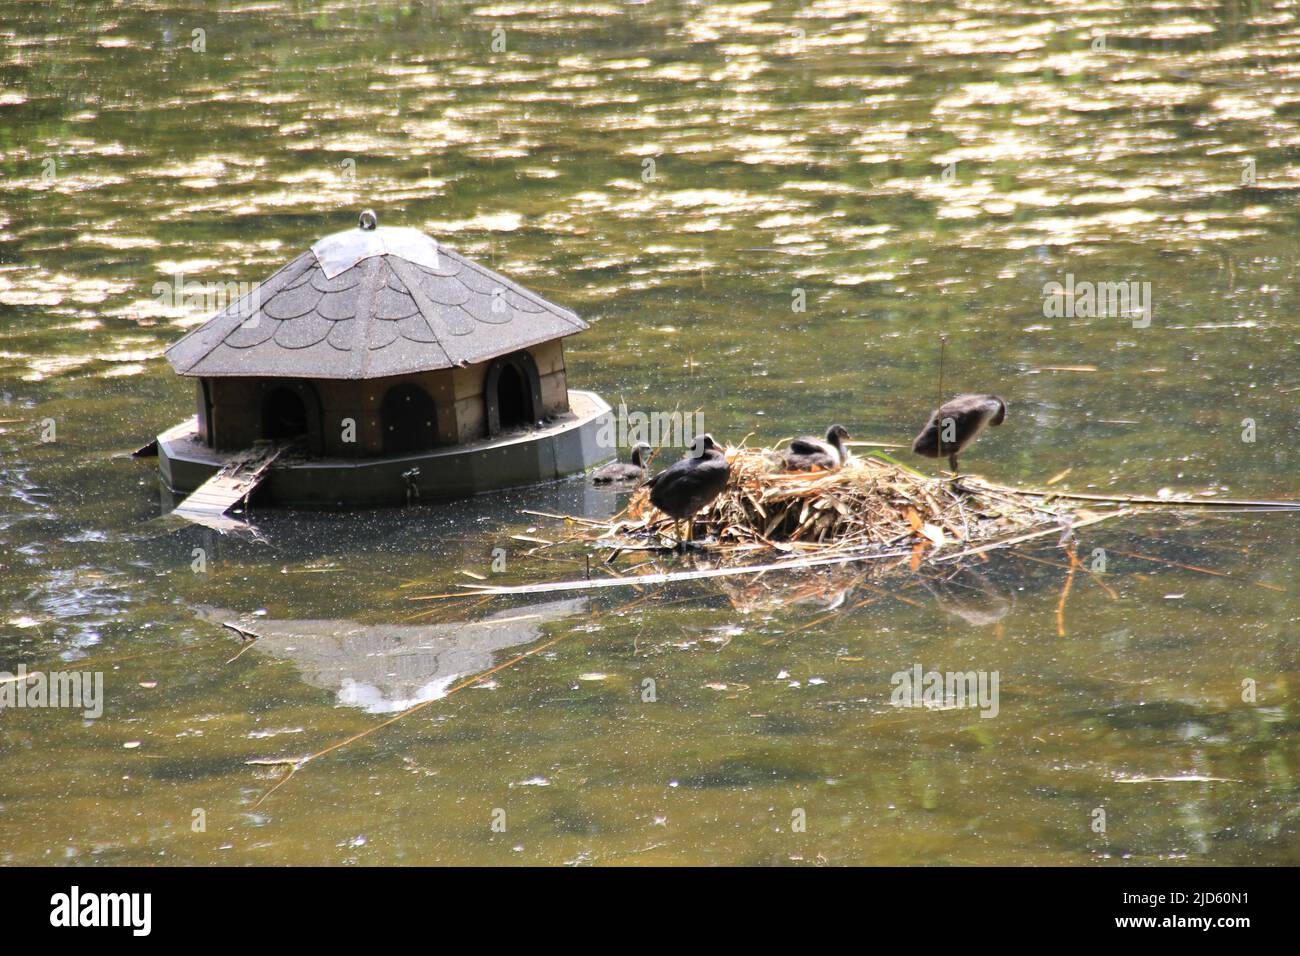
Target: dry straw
872 501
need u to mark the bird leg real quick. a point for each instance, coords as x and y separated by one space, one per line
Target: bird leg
952 461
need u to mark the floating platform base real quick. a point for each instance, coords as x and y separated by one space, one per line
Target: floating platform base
569 445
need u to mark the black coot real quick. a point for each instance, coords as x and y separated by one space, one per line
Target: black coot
956 424
805 454
621 471
685 487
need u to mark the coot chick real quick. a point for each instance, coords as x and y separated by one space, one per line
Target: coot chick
685 487
622 471
805 454
955 424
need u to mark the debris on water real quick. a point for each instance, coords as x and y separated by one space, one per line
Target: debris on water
1175 778
871 510
724 633
277 761
533 782
263 734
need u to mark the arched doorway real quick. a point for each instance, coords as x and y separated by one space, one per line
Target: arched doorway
512 391
409 418
291 411
284 415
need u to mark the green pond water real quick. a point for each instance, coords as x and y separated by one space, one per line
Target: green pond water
915 169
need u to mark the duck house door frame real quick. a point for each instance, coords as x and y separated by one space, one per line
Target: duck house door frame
526 396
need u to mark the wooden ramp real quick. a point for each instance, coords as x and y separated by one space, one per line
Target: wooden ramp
238 478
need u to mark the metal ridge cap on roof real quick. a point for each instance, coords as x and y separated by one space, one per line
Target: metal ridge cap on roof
340 251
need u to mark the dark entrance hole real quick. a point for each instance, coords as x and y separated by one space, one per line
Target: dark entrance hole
284 416
514 398
410 420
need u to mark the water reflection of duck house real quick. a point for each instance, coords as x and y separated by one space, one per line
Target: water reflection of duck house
388 667
390 367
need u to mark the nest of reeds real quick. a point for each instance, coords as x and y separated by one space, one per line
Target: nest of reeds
870 501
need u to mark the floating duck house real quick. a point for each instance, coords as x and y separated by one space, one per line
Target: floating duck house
376 368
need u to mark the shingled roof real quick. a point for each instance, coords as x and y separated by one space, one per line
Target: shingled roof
367 303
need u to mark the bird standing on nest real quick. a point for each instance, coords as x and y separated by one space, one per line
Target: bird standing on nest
807 453
621 471
685 487
955 424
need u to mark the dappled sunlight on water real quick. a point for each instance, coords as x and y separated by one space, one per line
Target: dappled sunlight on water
678 173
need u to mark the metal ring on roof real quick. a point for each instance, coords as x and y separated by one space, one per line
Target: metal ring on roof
368 220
